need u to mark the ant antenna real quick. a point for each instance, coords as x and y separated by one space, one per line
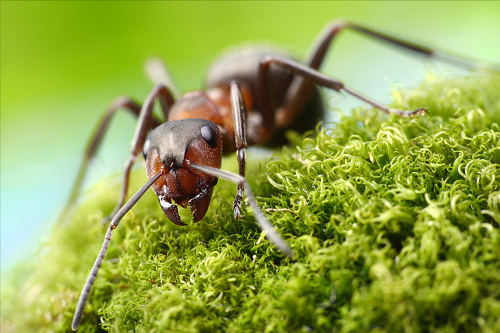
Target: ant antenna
98 262
263 222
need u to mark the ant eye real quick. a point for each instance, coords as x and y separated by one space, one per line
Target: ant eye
209 135
145 148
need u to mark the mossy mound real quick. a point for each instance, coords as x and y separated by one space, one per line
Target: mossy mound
395 223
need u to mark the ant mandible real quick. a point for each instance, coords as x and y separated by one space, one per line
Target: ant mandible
252 94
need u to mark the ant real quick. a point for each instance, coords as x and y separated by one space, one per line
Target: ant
253 95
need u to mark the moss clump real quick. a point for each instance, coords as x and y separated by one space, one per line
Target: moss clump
394 222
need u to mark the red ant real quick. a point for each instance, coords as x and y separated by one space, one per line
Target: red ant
252 94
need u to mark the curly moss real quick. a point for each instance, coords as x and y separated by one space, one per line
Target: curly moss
395 223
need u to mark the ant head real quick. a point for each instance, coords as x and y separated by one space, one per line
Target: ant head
170 149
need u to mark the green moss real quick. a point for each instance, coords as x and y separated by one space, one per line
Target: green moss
395 223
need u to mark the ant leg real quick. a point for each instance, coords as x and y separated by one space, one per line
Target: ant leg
321 79
159 75
300 89
144 124
122 102
239 116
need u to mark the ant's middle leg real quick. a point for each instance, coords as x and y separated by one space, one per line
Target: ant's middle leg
239 116
318 78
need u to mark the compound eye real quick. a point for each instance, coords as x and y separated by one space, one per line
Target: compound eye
209 135
145 148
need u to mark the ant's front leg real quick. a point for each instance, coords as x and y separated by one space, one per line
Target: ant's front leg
95 140
239 116
144 124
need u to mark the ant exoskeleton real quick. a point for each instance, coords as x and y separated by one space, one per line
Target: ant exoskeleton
183 155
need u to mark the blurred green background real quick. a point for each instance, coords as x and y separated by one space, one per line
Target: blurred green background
63 62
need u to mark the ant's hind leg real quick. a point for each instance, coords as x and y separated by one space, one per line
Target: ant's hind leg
239 116
300 89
